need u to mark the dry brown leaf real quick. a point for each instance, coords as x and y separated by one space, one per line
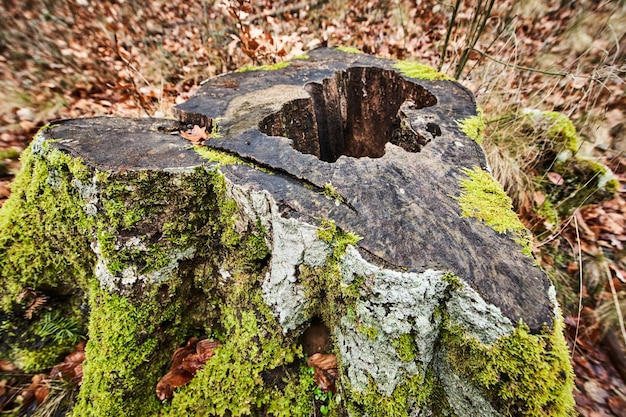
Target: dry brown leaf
555 178
6 366
186 361
325 370
197 135
205 348
172 380
71 369
37 391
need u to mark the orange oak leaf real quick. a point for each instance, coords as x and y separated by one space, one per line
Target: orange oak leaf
197 135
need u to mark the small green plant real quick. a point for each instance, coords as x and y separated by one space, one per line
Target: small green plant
330 191
216 128
60 329
322 397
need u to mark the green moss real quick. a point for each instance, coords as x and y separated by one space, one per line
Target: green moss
549 213
119 370
562 130
482 197
220 157
38 360
421 71
301 57
553 132
46 215
253 352
414 392
45 235
339 239
330 191
216 130
601 176
9 154
130 346
474 127
585 181
133 205
405 347
370 332
278 65
522 374
453 280
348 49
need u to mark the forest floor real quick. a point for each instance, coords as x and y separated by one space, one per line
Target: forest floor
81 58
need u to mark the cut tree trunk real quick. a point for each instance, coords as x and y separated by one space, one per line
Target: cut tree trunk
337 208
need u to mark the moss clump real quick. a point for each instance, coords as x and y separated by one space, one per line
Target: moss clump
415 392
474 127
336 237
133 205
220 157
4 155
120 370
558 127
348 49
37 360
330 191
483 198
454 281
130 346
421 71
370 332
276 66
256 371
585 181
9 154
45 233
46 215
522 374
405 347
327 296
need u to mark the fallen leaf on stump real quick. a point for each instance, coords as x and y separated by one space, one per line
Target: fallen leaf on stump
197 135
204 352
172 380
186 361
325 371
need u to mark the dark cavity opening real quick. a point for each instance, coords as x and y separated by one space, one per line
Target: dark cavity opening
355 113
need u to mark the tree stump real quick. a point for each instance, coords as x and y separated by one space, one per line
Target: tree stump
339 207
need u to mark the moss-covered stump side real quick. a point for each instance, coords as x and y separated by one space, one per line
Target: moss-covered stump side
142 242
45 261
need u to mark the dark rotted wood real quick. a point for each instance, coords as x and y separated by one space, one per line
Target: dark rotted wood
390 145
